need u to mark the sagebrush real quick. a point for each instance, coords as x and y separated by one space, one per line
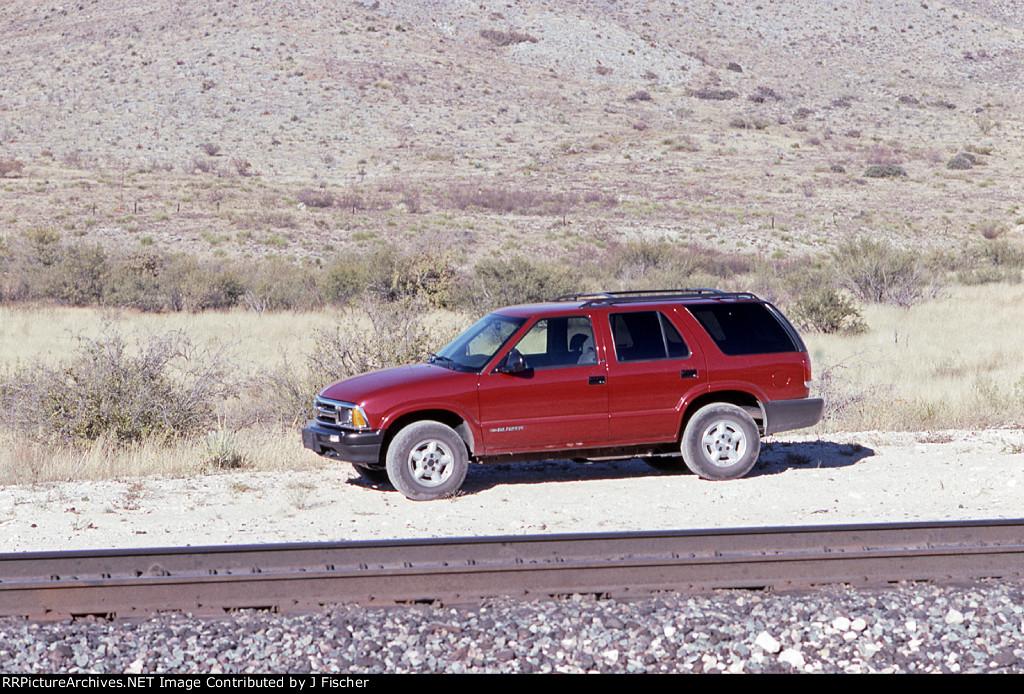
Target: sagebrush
161 386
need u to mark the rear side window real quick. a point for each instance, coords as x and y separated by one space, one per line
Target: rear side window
746 328
646 335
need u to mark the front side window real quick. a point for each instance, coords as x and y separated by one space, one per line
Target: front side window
646 335
558 342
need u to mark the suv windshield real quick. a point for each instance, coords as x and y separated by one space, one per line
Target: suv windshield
475 347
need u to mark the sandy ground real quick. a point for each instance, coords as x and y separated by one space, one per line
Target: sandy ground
843 478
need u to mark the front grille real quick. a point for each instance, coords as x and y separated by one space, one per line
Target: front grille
329 412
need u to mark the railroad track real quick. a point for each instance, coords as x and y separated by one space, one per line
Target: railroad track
296 577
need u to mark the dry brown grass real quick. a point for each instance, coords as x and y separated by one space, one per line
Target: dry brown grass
263 449
956 361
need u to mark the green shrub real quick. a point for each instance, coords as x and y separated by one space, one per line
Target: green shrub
46 247
518 280
718 264
1002 253
162 388
220 451
660 264
997 260
393 276
14 275
826 310
80 277
344 278
877 272
885 171
638 258
961 161
192 285
647 264
378 336
274 284
136 282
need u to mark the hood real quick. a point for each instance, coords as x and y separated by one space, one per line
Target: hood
383 389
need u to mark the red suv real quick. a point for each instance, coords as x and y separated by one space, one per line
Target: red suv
690 377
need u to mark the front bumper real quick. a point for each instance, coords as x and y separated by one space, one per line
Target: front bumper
786 415
361 447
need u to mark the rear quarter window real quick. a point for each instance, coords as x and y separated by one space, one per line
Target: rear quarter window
747 328
645 336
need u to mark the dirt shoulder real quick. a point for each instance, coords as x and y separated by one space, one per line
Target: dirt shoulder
841 478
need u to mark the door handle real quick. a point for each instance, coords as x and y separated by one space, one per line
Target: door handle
688 373
596 380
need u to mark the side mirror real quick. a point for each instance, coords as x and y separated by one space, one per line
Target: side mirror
514 363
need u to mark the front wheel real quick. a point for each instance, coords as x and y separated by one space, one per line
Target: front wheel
721 442
427 460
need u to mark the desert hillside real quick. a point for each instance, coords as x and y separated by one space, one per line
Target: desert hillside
750 145
200 125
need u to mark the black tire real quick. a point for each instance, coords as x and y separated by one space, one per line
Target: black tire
720 442
427 460
374 475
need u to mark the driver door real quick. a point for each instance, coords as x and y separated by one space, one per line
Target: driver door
560 399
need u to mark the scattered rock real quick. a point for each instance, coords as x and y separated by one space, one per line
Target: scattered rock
767 643
792 657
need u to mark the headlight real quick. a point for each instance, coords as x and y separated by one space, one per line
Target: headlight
337 413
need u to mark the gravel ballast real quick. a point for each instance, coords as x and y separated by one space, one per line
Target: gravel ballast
916 629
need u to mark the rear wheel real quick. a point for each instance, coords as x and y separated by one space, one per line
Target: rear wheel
427 460
721 442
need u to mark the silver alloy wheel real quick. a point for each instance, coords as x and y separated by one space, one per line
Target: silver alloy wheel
427 460
724 443
431 463
720 442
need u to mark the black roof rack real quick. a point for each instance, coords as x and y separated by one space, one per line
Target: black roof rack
599 298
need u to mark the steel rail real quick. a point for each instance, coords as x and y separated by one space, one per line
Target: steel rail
291 577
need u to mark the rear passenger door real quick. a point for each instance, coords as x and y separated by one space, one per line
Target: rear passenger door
652 371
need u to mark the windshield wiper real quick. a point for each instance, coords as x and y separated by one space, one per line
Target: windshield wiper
434 358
